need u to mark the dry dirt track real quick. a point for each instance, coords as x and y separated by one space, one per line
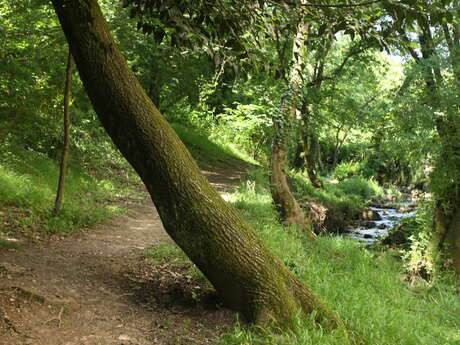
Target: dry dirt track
85 289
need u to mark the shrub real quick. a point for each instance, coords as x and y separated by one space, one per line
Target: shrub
360 187
345 170
418 254
346 199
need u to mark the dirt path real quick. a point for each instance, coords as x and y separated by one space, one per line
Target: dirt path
95 288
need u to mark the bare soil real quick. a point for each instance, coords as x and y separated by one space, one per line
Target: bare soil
95 287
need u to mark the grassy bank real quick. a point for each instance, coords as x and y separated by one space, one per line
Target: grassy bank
97 188
345 199
210 152
28 181
365 287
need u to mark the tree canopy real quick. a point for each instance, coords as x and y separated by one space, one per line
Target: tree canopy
344 106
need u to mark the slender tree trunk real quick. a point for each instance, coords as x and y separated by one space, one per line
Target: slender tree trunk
446 175
338 145
319 154
448 228
309 145
285 203
65 148
446 186
155 88
310 161
245 273
308 136
335 156
313 159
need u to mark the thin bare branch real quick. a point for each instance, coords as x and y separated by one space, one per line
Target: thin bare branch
342 5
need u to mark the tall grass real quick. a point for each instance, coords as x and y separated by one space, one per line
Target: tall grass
209 150
28 184
365 287
27 190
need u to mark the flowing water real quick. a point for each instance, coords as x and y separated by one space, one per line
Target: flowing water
390 217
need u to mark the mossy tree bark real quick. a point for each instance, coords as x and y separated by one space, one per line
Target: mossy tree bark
244 272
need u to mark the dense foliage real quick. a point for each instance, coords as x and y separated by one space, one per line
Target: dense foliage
365 97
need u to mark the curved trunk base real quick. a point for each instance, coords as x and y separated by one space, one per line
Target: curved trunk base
448 231
287 206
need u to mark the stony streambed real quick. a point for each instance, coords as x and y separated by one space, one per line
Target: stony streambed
372 231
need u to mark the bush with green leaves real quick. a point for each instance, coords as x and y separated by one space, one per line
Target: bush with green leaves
346 169
346 199
364 188
418 253
248 126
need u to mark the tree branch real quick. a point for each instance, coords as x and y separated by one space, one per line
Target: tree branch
342 5
294 4
339 69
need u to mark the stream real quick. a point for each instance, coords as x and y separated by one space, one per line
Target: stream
378 229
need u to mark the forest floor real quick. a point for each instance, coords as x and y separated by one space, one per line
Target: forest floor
95 286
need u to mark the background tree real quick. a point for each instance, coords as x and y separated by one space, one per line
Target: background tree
66 134
435 31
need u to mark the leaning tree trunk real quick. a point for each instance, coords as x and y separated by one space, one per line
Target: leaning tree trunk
285 202
244 272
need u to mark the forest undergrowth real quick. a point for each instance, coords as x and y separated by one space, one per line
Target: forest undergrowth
368 287
98 186
28 181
